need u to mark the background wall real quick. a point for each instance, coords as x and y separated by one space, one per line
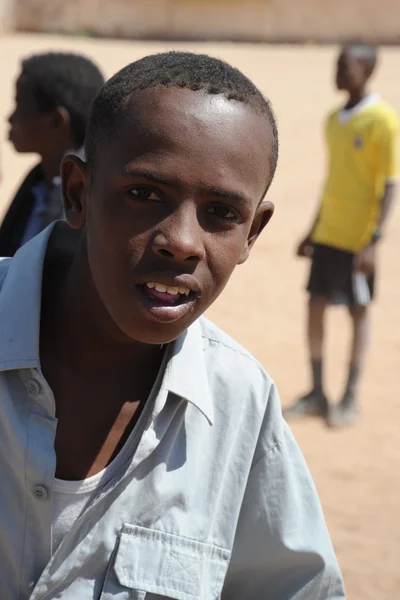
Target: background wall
267 20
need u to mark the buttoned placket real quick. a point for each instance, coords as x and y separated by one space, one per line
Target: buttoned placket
39 473
143 443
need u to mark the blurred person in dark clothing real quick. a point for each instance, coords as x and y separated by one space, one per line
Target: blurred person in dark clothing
53 97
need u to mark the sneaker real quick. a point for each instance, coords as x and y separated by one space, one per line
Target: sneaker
343 414
314 404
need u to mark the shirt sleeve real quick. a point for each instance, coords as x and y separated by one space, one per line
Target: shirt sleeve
282 549
387 148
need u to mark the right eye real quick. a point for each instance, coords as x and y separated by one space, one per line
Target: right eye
144 193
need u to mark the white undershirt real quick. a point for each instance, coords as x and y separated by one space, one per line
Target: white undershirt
70 499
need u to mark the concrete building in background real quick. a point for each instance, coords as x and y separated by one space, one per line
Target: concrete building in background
251 20
7 14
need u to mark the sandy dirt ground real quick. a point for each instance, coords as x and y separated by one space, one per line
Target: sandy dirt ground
357 471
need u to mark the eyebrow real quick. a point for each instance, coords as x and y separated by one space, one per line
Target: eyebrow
209 190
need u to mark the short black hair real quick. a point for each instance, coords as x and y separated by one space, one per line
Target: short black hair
368 53
196 72
67 80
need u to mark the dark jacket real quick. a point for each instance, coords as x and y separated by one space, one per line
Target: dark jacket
17 216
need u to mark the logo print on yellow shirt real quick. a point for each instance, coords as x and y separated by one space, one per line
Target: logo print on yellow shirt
358 142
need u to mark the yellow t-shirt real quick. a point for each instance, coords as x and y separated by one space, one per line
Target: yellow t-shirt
361 159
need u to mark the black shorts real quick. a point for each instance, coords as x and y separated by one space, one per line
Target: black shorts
332 275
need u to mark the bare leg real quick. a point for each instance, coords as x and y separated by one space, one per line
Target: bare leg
346 412
361 327
315 335
314 403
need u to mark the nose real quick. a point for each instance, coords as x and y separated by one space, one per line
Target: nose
180 237
11 118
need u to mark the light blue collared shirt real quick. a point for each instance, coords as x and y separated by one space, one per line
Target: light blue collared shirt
214 499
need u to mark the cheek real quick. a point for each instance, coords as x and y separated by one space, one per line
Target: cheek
21 126
355 74
114 247
223 254
30 131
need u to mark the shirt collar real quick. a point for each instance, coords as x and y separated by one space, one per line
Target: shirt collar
186 374
347 113
20 298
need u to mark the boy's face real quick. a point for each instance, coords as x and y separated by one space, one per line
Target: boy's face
351 72
31 129
172 207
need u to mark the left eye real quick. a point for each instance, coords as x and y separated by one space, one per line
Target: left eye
223 212
144 193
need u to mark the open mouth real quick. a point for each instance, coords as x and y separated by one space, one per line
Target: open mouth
165 303
165 295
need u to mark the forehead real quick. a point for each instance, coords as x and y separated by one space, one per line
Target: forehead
348 58
343 57
179 129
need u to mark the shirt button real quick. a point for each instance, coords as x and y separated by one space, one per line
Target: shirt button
33 387
40 492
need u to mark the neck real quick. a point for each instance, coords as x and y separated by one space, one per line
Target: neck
51 161
80 328
355 96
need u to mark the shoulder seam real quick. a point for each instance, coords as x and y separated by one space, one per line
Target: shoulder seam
237 350
266 453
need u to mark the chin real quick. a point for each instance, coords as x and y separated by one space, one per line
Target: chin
148 319
150 329
155 334
13 143
21 148
342 86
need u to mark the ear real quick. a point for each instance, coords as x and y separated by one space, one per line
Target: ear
263 215
75 190
60 117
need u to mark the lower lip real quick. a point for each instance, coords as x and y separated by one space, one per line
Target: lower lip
164 312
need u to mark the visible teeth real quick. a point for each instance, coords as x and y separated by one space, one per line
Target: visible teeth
160 287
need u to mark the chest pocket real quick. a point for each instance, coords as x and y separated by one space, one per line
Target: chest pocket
153 565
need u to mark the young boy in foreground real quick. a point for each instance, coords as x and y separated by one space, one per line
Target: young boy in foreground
344 238
54 93
144 451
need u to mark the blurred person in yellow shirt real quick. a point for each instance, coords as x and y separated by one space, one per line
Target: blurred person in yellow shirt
361 138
